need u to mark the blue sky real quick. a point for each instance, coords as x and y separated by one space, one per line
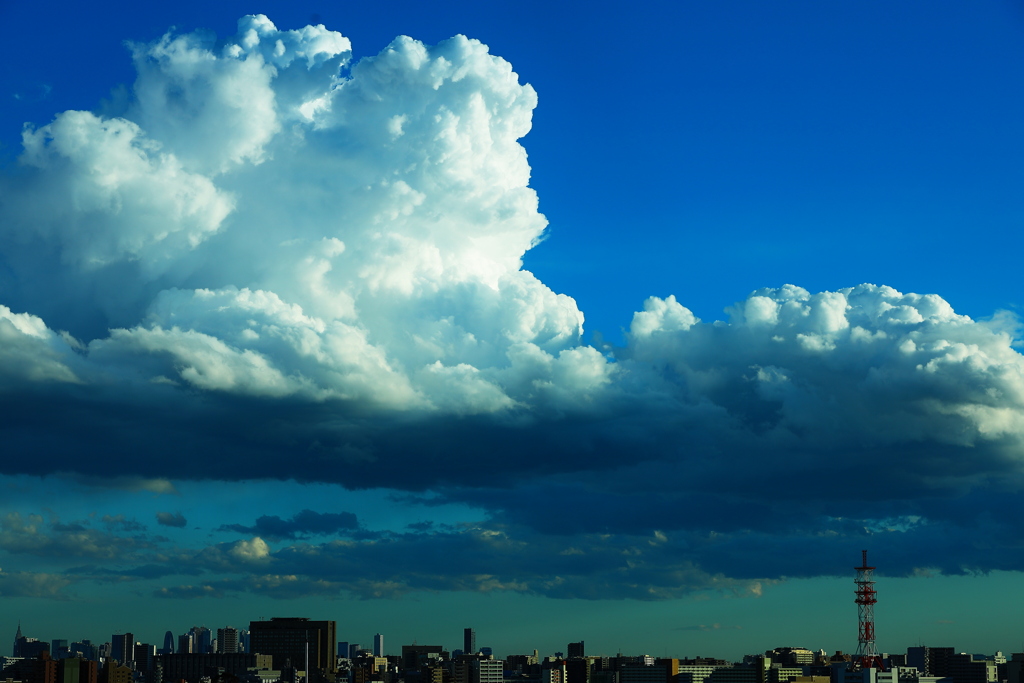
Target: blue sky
379 329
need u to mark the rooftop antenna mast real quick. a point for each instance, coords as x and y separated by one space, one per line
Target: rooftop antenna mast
867 657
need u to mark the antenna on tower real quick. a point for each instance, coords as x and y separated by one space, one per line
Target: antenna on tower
867 657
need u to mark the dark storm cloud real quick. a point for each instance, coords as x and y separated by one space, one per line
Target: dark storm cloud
304 524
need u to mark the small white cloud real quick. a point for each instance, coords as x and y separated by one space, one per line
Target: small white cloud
253 550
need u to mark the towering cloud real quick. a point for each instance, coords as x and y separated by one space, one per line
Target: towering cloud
314 270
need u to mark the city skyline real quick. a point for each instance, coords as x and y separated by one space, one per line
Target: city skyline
726 641
564 652
545 318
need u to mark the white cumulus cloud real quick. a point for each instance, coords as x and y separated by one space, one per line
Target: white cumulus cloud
318 265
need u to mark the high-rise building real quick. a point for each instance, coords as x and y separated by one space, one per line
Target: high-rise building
227 640
76 670
414 657
575 650
201 638
553 672
577 669
168 644
353 650
488 671
644 673
469 641
16 651
114 673
343 649
930 661
37 669
290 640
122 647
378 645
143 654
185 644
194 667
33 647
85 649
966 668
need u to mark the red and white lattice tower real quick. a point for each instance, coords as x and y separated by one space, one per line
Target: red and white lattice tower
866 657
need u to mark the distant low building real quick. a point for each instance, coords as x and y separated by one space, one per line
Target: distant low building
193 667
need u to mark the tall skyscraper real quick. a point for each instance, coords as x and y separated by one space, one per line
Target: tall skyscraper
378 645
85 649
168 644
288 639
122 647
576 650
201 638
415 656
469 641
143 656
16 651
227 640
59 648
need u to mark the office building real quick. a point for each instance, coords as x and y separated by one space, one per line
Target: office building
77 670
142 656
644 673
378 645
965 668
291 640
201 640
122 647
39 669
418 656
227 640
84 649
193 667
469 641
488 671
577 670
553 672
113 672
930 661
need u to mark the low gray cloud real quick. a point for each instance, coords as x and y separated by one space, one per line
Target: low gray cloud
122 523
173 519
33 535
188 592
32 585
